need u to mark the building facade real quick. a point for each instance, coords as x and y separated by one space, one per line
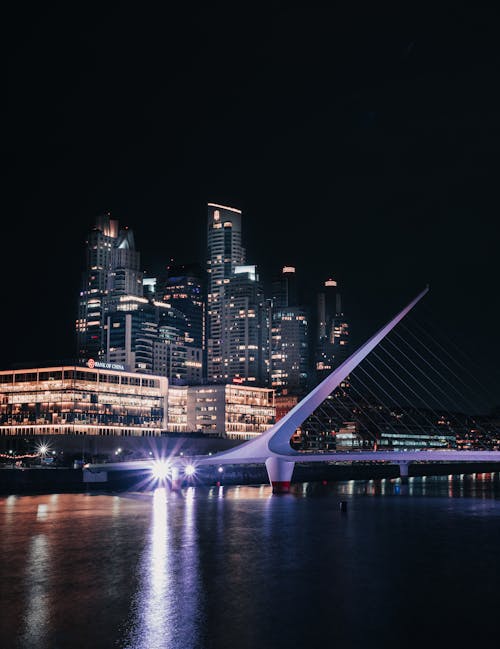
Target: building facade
112 270
82 400
241 319
233 411
333 330
224 253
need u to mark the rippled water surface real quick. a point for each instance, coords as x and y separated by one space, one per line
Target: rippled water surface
236 567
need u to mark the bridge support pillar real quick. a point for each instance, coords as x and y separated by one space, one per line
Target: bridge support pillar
175 480
280 474
403 471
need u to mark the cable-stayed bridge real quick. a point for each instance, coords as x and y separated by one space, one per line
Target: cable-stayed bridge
416 380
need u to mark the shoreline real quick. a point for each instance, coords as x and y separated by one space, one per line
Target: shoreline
31 481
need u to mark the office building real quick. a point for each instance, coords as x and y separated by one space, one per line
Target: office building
182 286
333 330
224 253
111 271
289 338
82 400
241 326
233 411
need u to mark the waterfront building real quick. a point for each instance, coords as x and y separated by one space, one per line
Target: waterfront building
234 411
224 253
177 405
284 403
82 400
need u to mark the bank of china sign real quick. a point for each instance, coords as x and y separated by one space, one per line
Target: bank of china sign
104 366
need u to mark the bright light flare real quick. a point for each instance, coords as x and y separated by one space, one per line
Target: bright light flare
190 470
42 449
160 470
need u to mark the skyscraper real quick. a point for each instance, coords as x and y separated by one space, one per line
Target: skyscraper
112 272
131 328
243 301
333 330
182 287
224 254
289 346
91 306
284 288
124 275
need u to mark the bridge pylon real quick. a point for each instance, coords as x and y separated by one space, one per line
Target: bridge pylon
280 473
403 471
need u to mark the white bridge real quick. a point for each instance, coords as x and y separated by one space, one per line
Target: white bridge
273 449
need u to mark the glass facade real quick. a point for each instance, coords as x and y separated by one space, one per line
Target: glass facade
80 400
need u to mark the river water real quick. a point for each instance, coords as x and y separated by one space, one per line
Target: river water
237 567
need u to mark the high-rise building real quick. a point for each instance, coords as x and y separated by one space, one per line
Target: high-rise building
289 350
124 275
289 340
150 336
89 325
112 271
225 253
131 330
182 286
284 288
175 354
333 330
242 312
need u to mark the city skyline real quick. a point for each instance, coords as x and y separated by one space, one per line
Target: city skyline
370 157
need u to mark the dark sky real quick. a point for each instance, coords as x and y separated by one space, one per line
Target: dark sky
359 144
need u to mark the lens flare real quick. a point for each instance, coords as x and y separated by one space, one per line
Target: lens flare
160 470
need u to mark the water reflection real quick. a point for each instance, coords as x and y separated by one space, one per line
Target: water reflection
475 485
168 602
36 607
218 568
153 605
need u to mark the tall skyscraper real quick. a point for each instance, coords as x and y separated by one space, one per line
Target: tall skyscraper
284 288
242 312
333 330
289 340
124 275
91 307
112 272
224 253
182 287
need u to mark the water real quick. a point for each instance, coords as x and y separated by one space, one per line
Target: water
236 567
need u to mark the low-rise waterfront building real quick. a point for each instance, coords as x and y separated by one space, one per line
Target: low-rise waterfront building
230 410
98 399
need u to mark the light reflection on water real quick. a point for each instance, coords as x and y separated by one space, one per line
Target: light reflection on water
36 589
220 567
152 609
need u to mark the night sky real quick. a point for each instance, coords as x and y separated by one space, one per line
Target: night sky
360 144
